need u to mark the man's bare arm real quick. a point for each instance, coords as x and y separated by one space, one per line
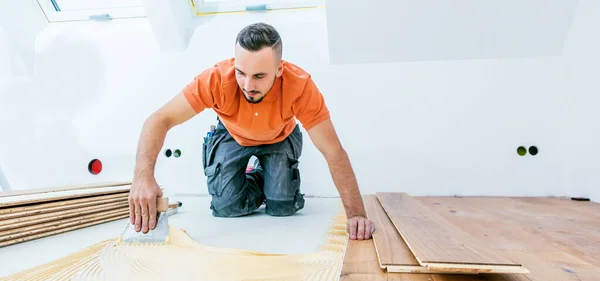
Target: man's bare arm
154 132
327 142
145 190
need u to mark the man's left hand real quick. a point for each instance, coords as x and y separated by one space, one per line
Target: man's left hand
360 228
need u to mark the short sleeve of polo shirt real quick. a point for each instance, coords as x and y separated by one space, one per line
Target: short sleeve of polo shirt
310 108
200 92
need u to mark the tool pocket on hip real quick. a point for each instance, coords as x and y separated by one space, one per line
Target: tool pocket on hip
209 149
293 168
213 176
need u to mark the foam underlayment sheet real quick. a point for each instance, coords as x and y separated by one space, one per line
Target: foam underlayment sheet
182 258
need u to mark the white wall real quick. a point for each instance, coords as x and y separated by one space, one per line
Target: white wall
428 127
21 21
581 89
5 54
406 30
5 76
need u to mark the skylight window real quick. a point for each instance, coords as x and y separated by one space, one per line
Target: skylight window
72 10
224 6
77 10
73 5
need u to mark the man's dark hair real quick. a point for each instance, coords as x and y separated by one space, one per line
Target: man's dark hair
256 36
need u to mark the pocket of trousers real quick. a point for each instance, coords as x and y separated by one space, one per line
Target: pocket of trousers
213 177
209 149
293 167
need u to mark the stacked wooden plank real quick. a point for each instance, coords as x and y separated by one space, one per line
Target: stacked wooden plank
31 214
411 238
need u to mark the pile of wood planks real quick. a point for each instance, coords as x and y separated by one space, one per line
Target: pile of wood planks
31 214
411 238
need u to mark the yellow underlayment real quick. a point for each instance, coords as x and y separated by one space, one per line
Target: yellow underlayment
182 258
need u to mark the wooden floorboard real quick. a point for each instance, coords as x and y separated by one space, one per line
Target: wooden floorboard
552 237
435 242
360 264
26 199
393 254
62 188
390 247
549 236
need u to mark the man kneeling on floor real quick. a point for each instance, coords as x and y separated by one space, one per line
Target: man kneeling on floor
257 97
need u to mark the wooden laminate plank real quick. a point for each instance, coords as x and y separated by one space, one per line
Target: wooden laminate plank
26 221
63 188
38 206
434 241
392 252
57 224
47 210
389 245
572 230
489 220
62 230
556 266
19 200
480 277
547 259
360 264
545 224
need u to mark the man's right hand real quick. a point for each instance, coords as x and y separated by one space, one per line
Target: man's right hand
144 190
142 203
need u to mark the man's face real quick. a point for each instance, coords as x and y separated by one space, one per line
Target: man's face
256 72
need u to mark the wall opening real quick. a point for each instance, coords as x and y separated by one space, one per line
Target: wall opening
533 150
95 167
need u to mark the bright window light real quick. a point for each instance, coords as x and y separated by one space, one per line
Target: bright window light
73 5
76 10
223 6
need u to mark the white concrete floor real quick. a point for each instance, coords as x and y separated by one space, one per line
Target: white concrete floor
300 233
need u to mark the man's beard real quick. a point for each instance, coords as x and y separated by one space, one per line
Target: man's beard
254 99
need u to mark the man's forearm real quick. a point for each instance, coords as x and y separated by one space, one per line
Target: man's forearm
151 141
346 184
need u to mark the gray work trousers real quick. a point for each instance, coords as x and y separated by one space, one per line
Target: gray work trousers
274 180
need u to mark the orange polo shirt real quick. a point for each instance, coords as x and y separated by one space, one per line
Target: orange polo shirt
293 96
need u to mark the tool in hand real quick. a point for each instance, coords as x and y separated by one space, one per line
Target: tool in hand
157 235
